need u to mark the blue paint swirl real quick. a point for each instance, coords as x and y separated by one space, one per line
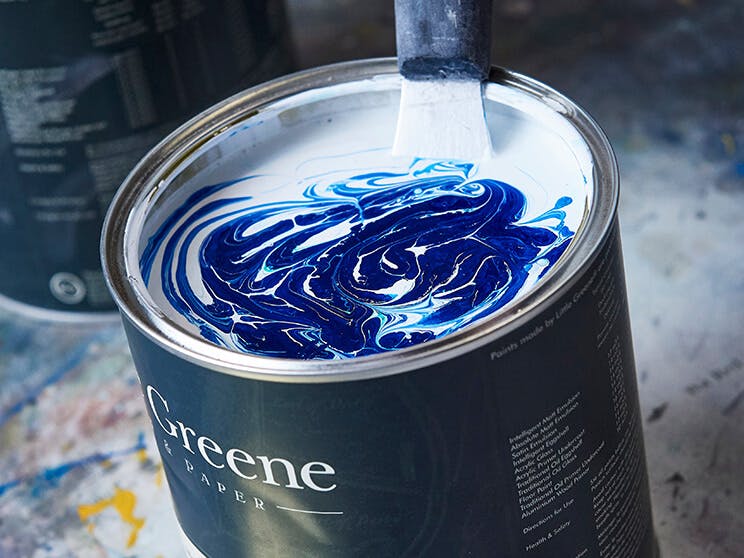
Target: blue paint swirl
375 262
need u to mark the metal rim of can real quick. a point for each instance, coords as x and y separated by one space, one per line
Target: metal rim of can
162 161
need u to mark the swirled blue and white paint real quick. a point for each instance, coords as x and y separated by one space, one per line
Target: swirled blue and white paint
340 266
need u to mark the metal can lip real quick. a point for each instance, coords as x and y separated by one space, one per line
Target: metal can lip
144 181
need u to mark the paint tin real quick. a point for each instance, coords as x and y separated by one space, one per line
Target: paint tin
519 436
86 88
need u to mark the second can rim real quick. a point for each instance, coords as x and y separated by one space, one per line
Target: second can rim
163 159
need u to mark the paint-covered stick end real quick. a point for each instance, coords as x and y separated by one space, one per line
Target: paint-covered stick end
442 119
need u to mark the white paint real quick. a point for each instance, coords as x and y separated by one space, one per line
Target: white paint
442 119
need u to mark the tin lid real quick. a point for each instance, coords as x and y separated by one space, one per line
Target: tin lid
197 144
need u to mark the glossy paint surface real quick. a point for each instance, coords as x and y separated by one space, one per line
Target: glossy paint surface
349 265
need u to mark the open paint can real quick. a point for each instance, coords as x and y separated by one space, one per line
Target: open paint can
462 381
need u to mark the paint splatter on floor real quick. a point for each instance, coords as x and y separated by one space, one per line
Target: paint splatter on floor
124 502
51 476
159 476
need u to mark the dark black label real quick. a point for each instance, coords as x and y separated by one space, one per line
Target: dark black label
530 447
86 88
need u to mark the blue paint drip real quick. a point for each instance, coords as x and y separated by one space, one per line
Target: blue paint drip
372 263
49 478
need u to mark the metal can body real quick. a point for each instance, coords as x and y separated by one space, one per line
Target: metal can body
86 88
520 437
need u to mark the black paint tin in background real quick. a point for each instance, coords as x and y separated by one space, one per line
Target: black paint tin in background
517 437
86 88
